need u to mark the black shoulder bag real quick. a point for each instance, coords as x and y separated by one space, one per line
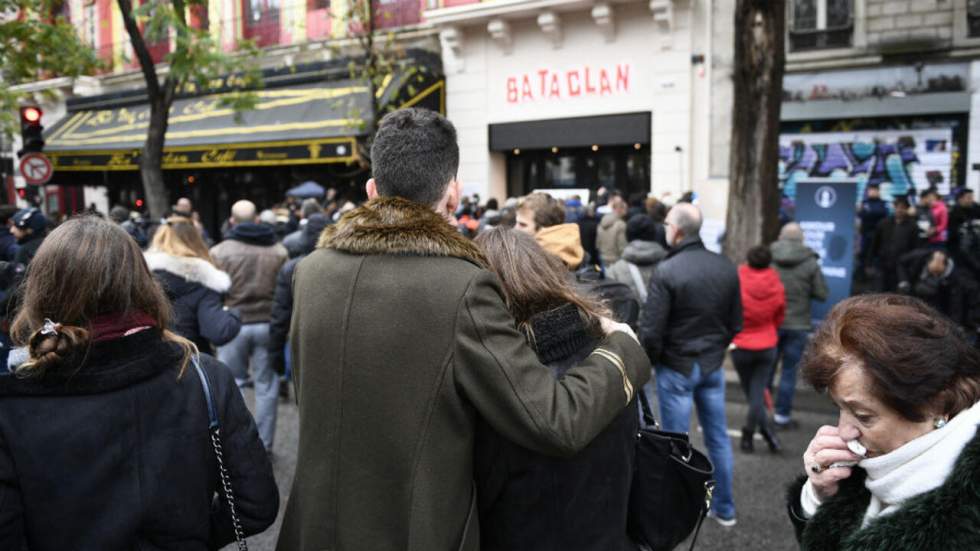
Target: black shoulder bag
214 427
671 490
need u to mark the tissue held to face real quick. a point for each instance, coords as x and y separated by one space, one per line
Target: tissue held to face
865 418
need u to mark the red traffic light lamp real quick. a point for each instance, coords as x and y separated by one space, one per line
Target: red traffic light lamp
31 115
31 131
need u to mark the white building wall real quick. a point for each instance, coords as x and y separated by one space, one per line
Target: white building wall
973 147
661 75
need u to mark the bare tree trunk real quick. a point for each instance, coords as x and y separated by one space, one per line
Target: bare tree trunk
160 97
753 199
151 158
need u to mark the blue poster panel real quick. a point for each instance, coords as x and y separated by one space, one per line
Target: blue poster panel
826 212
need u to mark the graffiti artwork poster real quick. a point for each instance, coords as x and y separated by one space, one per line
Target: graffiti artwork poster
899 161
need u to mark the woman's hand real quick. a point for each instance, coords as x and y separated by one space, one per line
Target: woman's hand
826 448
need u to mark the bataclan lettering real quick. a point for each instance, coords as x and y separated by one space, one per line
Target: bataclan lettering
548 85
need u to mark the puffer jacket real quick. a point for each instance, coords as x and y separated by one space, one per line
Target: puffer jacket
644 255
763 308
531 502
802 280
252 258
195 288
611 238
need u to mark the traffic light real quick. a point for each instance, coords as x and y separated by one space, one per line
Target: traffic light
31 131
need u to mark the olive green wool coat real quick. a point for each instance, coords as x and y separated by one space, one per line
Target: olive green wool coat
943 519
401 342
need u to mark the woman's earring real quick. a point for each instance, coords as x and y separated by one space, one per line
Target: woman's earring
940 422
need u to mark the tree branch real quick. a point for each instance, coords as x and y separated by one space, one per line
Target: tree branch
140 49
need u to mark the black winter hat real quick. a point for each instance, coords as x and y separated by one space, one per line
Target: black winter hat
641 227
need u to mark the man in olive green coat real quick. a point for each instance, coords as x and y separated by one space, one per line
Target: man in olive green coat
402 341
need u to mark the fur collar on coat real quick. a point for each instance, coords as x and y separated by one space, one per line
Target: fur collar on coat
196 270
395 226
938 520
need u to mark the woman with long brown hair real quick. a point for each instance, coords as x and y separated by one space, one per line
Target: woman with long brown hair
104 437
181 262
529 501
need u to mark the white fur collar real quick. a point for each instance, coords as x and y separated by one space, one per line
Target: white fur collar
191 269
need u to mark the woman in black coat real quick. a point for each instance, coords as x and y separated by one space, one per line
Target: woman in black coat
104 439
528 501
180 260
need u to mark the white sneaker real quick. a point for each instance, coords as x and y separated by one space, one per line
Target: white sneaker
726 522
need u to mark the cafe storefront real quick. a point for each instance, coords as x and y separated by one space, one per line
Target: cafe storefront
306 124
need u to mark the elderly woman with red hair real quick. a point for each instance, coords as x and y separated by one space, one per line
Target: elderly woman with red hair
901 470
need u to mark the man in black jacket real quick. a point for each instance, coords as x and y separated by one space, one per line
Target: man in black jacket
894 237
282 301
693 311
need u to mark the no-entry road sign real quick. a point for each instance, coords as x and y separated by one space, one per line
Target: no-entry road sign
36 168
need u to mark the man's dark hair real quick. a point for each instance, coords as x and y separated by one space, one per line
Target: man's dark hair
415 155
759 257
7 212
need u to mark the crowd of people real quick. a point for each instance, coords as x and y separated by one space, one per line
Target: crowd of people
461 366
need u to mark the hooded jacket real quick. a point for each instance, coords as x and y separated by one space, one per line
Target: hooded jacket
763 308
644 255
303 240
564 242
402 342
610 238
195 288
251 256
803 281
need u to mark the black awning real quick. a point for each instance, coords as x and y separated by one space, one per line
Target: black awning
312 123
626 129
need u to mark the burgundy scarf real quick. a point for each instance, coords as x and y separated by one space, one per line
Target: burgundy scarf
109 327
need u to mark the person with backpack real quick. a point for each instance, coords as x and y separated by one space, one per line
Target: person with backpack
641 255
586 495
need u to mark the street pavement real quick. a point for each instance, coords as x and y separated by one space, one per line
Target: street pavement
760 478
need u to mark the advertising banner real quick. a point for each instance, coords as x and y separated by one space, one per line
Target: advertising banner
826 211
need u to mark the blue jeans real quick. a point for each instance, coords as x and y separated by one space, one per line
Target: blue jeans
791 343
251 347
677 395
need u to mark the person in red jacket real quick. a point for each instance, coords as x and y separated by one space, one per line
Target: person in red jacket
763 309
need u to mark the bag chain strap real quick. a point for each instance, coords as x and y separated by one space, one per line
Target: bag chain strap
226 490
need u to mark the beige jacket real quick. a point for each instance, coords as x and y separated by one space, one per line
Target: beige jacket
252 258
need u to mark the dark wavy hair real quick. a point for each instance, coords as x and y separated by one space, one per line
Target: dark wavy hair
919 362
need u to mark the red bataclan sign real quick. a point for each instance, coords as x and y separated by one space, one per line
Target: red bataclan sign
546 84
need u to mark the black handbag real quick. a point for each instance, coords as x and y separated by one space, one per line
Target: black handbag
214 428
671 490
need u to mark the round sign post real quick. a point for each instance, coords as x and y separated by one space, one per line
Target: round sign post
36 168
